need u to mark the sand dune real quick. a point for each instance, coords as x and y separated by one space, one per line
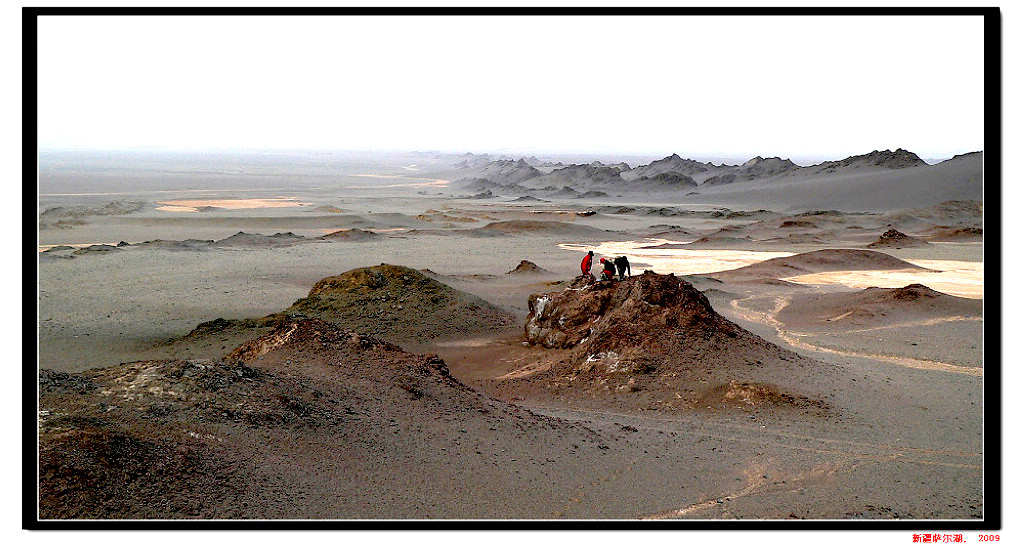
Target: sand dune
875 307
817 261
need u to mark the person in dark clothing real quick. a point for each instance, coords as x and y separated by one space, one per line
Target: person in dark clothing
588 262
622 263
608 273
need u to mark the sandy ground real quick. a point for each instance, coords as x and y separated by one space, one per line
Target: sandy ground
904 439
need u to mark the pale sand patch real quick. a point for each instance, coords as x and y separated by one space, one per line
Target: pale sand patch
193 205
432 183
677 261
955 277
470 343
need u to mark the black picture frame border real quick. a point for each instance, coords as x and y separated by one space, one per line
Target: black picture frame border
992 180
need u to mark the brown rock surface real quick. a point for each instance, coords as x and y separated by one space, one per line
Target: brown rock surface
300 423
657 337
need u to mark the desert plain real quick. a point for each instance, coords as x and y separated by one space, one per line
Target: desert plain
302 335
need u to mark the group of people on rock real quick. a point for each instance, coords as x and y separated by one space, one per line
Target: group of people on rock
609 267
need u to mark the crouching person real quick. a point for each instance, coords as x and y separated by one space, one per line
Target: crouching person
608 273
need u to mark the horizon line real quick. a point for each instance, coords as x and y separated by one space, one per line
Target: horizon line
522 154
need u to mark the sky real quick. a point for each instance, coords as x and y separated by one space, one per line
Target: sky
805 88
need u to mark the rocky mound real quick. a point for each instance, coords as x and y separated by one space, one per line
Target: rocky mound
63 217
248 240
526 267
482 195
432 215
393 302
56 254
353 234
242 239
797 224
655 337
308 421
96 249
825 260
714 241
225 439
874 307
895 239
326 209
398 303
553 227
945 233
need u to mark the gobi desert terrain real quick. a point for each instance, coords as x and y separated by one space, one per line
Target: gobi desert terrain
358 336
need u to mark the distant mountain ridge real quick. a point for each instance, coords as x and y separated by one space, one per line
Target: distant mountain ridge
533 178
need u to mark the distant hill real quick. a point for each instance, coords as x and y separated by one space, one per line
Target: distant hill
754 168
581 177
881 180
500 172
886 159
671 164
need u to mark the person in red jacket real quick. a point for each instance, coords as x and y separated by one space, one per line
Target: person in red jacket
608 272
588 261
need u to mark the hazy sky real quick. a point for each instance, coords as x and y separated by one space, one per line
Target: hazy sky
798 87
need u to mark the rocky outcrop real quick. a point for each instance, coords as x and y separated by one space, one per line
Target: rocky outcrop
526 267
397 303
894 239
654 334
